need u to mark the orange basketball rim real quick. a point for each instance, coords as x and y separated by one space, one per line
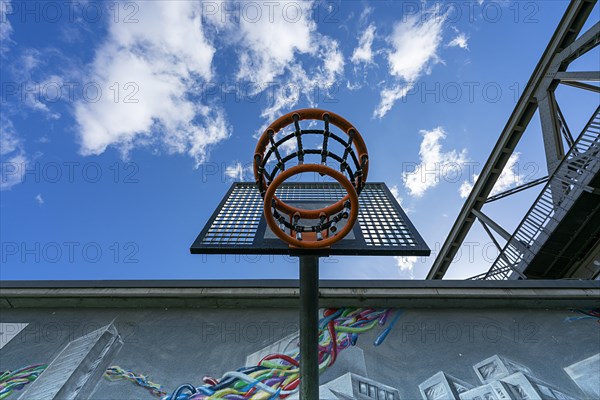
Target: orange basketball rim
289 222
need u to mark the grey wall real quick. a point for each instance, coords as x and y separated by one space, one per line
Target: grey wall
175 346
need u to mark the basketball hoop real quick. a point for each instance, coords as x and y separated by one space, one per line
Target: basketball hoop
309 220
283 218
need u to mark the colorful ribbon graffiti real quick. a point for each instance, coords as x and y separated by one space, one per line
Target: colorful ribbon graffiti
116 373
278 375
16 380
590 314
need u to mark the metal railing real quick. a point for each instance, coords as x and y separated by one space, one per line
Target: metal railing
572 175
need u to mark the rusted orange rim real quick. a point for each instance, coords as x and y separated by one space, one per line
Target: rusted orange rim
311 114
310 214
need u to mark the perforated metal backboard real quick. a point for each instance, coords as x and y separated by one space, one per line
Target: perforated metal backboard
238 225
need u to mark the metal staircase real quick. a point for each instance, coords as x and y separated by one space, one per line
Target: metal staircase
572 176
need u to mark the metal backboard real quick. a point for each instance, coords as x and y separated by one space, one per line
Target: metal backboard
238 225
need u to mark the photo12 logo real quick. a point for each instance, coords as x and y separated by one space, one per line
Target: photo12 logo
68 252
253 12
468 332
53 12
54 91
69 172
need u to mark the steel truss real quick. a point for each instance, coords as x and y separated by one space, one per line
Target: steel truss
570 171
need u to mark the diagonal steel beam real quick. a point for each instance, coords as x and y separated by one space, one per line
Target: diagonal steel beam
517 189
501 251
564 127
492 224
585 76
582 45
553 144
582 85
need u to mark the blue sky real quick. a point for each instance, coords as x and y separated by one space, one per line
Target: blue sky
124 123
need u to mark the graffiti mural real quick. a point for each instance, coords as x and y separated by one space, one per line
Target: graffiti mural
364 353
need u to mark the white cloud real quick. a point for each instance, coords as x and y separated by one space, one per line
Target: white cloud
43 92
10 142
435 163
466 187
172 30
406 264
161 63
13 155
509 178
364 53
270 49
415 41
389 96
238 172
5 26
39 199
353 86
270 42
396 193
38 89
306 82
364 15
461 40
235 171
145 71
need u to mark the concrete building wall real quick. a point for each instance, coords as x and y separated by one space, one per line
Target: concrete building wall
467 340
428 354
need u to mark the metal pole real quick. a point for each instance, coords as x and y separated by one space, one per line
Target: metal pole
309 330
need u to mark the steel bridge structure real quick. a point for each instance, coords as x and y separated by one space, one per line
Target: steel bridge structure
559 237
